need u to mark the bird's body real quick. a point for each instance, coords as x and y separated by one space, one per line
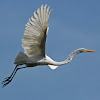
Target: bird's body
34 44
36 60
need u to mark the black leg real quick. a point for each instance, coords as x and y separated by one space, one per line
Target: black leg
9 79
10 75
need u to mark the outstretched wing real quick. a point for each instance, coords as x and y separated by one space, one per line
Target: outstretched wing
34 39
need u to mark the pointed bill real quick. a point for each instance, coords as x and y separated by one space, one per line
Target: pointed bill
89 50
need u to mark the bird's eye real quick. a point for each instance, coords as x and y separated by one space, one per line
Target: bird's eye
80 51
69 58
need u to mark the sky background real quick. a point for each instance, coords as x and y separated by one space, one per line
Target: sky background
73 24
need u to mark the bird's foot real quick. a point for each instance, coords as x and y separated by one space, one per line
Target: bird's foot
6 81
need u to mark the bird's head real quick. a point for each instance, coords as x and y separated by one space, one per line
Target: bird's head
76 52
81 50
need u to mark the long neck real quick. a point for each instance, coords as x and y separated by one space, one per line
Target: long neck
70 57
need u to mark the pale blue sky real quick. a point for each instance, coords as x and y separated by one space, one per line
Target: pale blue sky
73 24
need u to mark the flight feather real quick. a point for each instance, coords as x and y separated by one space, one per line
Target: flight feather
36 31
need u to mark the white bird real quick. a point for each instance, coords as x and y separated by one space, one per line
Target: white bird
34 44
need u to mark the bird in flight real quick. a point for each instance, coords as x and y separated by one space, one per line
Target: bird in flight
34 44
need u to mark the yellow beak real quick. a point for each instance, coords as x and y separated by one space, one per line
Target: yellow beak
90 50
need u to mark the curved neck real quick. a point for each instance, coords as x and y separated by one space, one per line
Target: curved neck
70 57
62 62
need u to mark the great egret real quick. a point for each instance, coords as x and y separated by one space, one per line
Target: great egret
34 42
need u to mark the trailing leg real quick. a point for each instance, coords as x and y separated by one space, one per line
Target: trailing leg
9 79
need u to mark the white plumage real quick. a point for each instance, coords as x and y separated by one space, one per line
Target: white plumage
34 44
36 31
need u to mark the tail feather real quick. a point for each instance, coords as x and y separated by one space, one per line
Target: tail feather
21 58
